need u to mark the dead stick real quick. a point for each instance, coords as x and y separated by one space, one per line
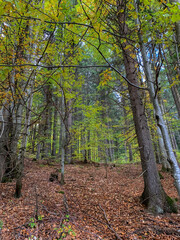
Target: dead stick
109 224
66 205
36 208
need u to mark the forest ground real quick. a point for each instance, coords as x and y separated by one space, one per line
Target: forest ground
88 206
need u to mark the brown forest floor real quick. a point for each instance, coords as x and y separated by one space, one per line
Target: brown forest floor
93 206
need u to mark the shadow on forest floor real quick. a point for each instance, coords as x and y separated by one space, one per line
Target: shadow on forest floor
88 206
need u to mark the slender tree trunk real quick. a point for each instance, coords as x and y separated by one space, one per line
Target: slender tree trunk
47 124
33 138
38 153
89 145
39 141
130 153
68 135
60 138
49 131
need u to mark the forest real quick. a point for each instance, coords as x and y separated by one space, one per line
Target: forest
89 119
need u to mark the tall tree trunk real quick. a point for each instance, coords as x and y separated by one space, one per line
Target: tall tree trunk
153 196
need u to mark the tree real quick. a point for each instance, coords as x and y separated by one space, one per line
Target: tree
153 196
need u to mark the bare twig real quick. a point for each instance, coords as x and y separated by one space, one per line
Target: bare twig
109 224
36 206
142 173
66 205
53 213
86 231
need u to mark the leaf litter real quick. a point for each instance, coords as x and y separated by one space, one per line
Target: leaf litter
89 206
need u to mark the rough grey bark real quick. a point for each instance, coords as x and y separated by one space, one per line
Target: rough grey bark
153 196
159 117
